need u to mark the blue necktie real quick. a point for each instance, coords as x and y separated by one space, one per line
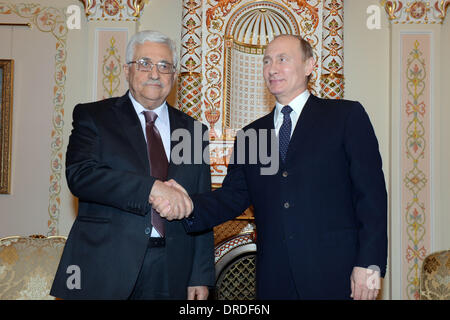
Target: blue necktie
285 132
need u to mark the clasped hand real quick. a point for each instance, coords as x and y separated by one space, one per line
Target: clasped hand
170 200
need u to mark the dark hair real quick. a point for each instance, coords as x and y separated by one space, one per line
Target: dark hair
307 51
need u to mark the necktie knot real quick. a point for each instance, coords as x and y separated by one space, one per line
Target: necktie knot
286 110
150 116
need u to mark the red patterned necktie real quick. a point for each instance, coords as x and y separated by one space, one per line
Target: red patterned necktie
158 161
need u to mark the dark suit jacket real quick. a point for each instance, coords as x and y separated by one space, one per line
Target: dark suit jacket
321 214
108 170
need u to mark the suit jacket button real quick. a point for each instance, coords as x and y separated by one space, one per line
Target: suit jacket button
286 205
285 174
147 230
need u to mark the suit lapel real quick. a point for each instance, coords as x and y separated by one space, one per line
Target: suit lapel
132 128
267 123
303 129
133 131
176 122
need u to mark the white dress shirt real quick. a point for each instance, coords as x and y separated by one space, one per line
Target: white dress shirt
297 106
162 123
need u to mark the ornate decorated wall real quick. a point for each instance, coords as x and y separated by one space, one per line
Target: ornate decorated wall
398 72
416 37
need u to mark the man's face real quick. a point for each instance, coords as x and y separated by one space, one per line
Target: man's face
150 89
284 70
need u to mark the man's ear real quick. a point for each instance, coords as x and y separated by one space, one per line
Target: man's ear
126 70
175 75
309 66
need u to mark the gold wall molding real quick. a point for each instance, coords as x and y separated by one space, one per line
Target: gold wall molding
6 110
416 12
113 10
16 24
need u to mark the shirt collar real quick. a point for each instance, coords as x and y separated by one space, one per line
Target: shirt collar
161 111
297 104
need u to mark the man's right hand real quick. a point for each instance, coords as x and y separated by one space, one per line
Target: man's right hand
170 200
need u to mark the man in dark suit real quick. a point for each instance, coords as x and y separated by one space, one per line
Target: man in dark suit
116 158
322 217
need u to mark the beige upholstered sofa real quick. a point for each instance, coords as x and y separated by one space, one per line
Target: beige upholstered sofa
435 276
28 266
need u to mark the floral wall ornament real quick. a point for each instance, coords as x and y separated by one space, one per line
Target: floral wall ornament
137 6
441 7
416 12
224 6
109 50
112 7
190 76
416 157
115 10
89 5
332 77
312 11
111 70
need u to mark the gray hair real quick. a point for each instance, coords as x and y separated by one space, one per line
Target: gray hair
150 36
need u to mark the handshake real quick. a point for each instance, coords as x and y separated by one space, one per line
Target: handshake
170 200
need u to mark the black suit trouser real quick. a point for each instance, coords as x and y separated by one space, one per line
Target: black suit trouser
152 282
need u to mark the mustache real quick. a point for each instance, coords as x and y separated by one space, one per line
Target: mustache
153 82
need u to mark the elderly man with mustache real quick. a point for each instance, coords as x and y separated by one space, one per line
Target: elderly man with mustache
119 154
